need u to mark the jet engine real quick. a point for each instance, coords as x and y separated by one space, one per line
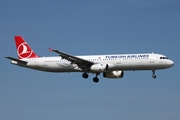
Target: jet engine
114 74
99 67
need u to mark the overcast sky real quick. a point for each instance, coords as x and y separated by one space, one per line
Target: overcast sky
84 28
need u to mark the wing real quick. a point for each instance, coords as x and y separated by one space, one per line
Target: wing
82 63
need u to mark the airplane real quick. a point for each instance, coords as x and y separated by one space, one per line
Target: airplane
111 65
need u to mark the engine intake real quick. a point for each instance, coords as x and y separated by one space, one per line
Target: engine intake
114 74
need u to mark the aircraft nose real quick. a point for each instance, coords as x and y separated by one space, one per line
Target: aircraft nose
171 63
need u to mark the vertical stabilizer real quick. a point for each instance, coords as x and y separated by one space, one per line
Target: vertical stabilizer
23 49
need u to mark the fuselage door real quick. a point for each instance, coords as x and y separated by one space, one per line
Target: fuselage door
152 58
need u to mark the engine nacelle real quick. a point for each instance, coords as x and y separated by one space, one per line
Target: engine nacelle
99 67
114 74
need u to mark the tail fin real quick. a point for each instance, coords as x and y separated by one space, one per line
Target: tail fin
23 49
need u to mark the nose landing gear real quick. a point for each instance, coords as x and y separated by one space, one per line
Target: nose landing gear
153 72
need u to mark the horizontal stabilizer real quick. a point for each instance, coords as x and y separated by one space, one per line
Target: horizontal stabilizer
17 60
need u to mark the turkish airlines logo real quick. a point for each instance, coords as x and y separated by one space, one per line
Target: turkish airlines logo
24 51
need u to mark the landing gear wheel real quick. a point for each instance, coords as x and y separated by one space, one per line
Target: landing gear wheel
153 72
96 80
154 76
85 75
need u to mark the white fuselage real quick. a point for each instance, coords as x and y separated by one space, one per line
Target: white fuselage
116 61
112 66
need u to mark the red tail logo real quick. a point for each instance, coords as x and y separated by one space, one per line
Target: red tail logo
23 49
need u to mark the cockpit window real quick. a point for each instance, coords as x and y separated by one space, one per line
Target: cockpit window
163 58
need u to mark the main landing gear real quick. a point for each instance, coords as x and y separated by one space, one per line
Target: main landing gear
95 79
153 72
85 75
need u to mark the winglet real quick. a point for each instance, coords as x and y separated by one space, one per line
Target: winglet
50 49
